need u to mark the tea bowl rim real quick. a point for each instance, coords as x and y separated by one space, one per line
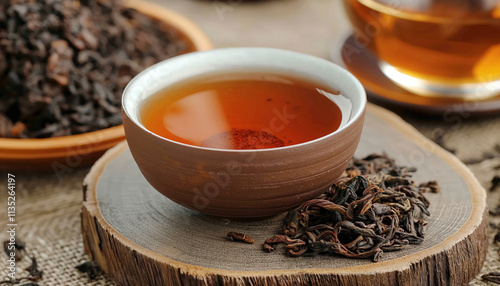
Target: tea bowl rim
356 85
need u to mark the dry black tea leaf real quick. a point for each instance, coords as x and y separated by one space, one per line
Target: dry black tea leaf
373 208
65 63
496 239
89 267
439 139
236 236
495 212
432 186
17 246
34 274
33 270
493 277
18 281
495 153
495 183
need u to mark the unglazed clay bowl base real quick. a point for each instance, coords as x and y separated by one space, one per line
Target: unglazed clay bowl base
242 183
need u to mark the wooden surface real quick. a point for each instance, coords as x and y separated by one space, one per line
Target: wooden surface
140 237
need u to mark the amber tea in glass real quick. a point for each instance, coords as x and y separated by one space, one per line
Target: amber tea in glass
242 111
434 47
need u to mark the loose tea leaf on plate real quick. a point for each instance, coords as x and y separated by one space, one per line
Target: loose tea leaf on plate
431 186
236 236
65 63
373 208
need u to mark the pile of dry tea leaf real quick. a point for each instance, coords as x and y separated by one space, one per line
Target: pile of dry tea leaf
374 208
65 63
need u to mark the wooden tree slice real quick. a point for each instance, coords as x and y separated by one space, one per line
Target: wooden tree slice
140 237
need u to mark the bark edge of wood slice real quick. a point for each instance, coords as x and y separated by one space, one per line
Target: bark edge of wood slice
456 260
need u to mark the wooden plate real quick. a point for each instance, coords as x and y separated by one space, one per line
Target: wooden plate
140 237
381 90
63 153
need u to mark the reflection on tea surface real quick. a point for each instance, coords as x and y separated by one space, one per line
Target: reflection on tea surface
246 111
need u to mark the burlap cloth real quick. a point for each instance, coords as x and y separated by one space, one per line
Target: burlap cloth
48 213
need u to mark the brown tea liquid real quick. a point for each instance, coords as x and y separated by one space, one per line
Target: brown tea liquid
246 111
444 41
